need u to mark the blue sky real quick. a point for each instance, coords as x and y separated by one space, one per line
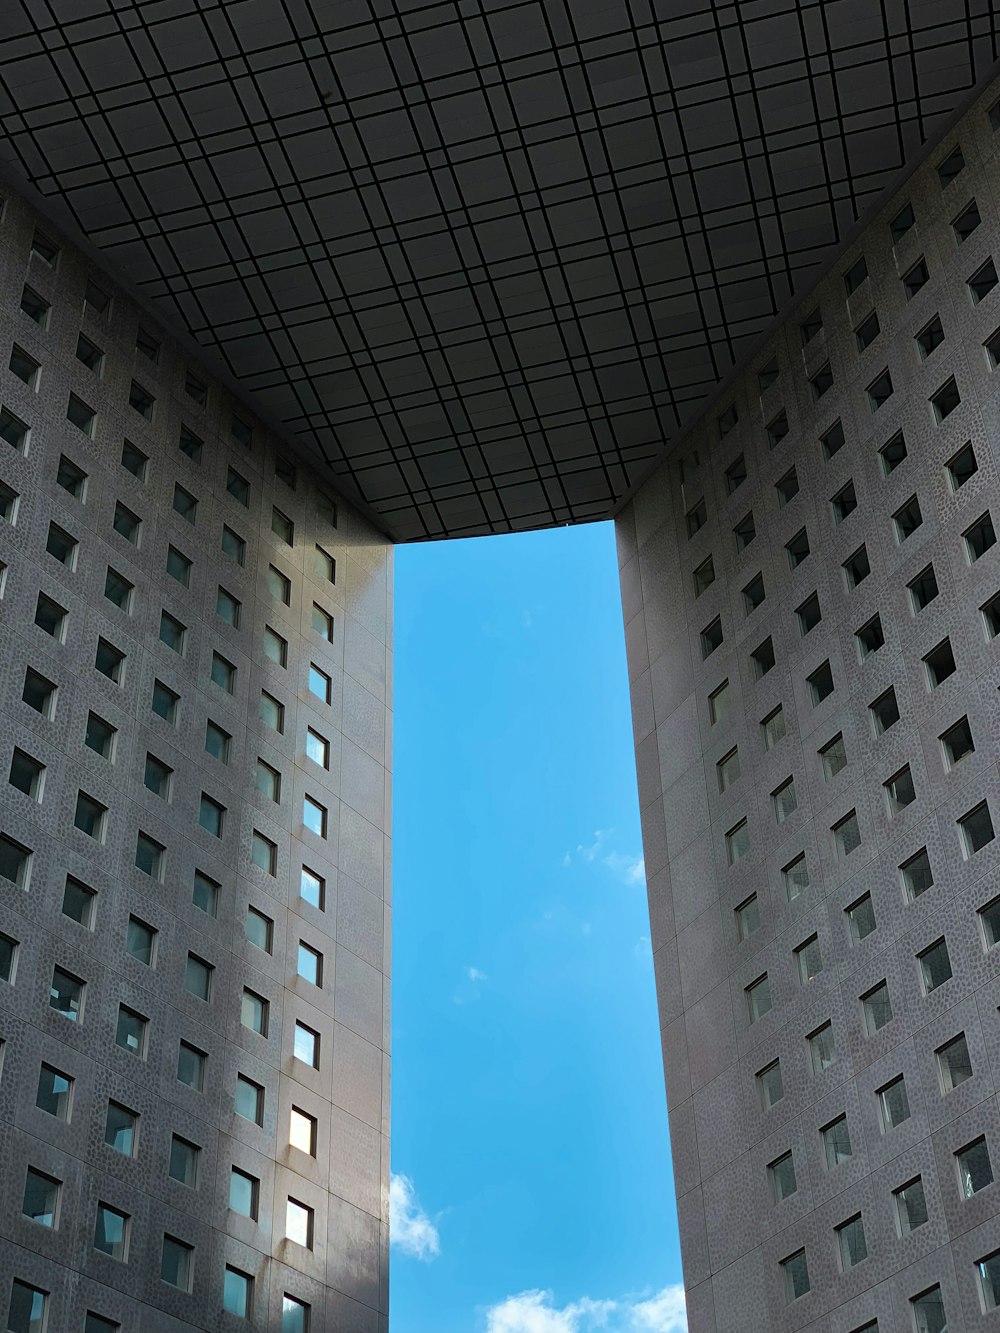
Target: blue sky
532 1189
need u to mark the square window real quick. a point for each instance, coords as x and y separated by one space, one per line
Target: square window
781 1174
264 853
728 421
285 471
275 647
96 301
836 1142
13 431
312 888
753 594
240 431
237 1293
299 1223
777 429
808 959
822 381
915 277
325 567
156 777
147 345
939 664
990 918
127 524
773 727
796 1275
762 658
711 638
844 502
797 548
66 994
71 478
787 487
53 1096
302 1131
811 325
892 453
172 632
979 538
738 842
981 283
140 941
784 801
758 995
769 1087
79 902
227 608
322 623
268 781
833 757
703 576
748 917
118 590
259 930
111 1232
279 586
191 445
50 617
309 964
149 856
795 877
945 400
198 977
25 367
820 683
223 673
957 743
306 1045
81 416
736 475
28 1308
27 774
164 702
930 337
244 1193
822 1051
254 1012
8 958
935 965
321 685
15 861
121 1129
962 466
179 566
211 815
907 519
238 487
808 614
90 816
867 331
141 400
205 894
876 1007
976 829
916 875
130 1031
317 748
851 1242
176 1263
192 1066
233 545
35 307
954 1063
183 1166
195 388
40 1201
314 816
899 790
89 353
880 390
923 589
884 711
134 460
249 1100
855 275
975 1170
271 712
8 504
185 504
894 1104
992 349
728 769
282 526
39 693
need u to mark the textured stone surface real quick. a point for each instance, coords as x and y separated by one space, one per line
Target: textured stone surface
343 1277
733 1234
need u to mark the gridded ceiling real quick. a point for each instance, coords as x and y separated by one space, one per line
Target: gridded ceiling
483 258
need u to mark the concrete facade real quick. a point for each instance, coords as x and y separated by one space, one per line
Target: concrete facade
815 556
235 730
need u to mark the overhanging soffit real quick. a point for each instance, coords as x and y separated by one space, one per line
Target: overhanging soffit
482 258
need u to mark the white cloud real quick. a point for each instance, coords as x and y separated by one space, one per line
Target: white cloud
409 1226
629 869
474 974
536 1312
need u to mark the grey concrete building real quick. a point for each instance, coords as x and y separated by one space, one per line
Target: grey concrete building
283 284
